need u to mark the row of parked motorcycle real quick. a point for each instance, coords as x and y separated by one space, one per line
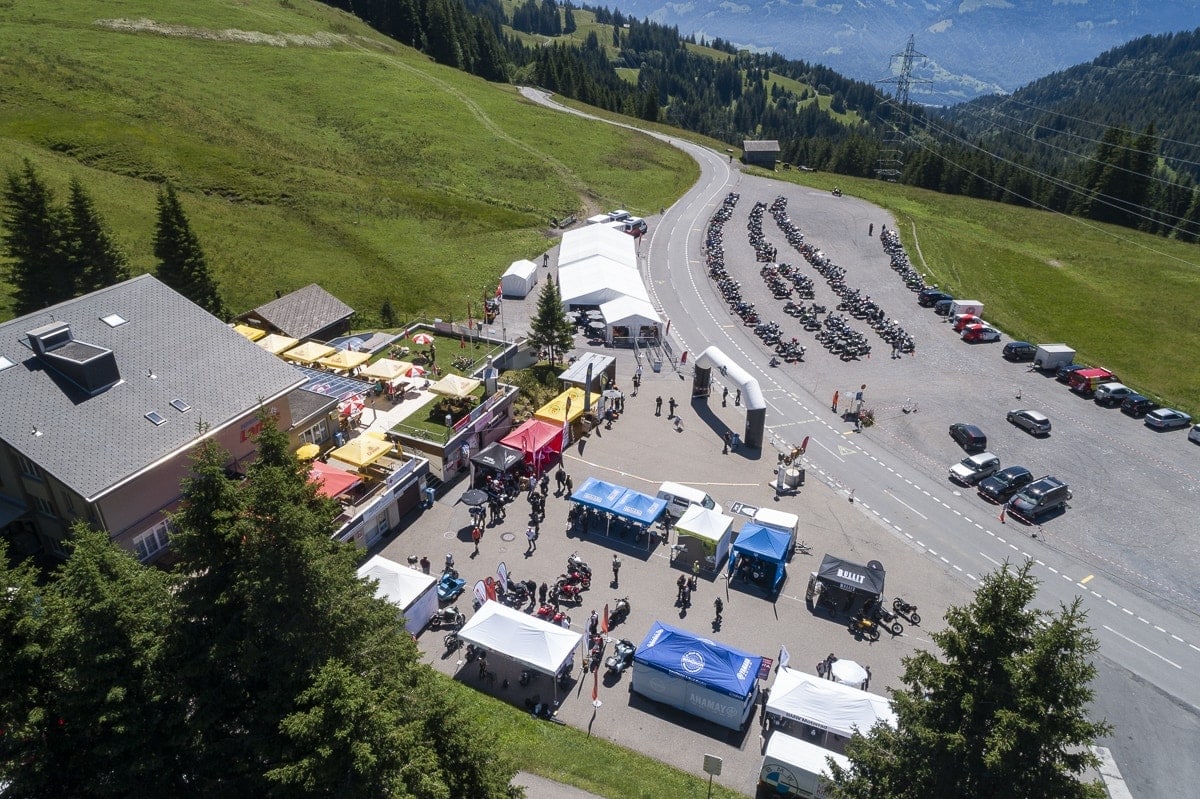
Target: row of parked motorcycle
899 261
876 616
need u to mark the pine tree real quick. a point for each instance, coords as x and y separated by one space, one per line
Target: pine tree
300 681
181 261
33 239
1002 715
550 329
92 256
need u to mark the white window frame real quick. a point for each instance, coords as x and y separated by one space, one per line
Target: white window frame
152 541
316 434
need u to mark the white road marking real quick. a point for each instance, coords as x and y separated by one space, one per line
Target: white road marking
1114 783
1146 648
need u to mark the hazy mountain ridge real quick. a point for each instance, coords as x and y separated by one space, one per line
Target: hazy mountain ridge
966 57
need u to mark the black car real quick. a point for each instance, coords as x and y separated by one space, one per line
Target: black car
1137 405
969 437
1018 351
1003 484
1064 372
930 297
942 307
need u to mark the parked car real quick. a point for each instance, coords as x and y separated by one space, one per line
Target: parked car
1137 405
974 468
1039 498
1003 484
942 307
1167 419
1194 434
1110 394
928 298
1064 372
978 333
1031 421
969 437
964 319
1017 351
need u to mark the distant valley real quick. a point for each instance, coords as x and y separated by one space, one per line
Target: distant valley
972 47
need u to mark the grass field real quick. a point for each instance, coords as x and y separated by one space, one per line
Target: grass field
332 156
1124 300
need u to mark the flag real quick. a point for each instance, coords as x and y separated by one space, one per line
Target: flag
804 445
596 685
499 291
784 657
604 621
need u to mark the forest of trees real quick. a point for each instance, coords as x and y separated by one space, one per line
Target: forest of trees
1118 177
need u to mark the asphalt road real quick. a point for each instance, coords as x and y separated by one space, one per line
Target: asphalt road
1127 544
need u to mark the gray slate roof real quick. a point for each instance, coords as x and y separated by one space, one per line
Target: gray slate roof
93 443
304 312
765 146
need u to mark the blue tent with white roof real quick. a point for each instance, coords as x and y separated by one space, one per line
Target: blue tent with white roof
697 675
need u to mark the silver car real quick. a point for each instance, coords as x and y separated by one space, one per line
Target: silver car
1030 421
969 471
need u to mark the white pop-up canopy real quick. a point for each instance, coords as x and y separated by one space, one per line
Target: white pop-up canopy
414 592
827 705
713 530
533 643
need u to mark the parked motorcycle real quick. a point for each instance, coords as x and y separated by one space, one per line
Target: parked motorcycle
620 611
864 627
548 613
907 611
578 564
567 592
621 658
888 620
447 617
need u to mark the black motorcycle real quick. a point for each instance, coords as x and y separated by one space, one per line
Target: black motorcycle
907 611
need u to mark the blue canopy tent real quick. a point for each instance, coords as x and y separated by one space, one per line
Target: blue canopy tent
765 544
624 503
696 675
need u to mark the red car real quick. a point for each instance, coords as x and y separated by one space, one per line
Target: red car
980 332
964 319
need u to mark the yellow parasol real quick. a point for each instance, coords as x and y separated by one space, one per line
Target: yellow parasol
362 451
307 452
455 386
309 352
276 343
385 369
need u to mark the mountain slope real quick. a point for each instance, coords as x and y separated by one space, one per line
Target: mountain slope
974 47
306 147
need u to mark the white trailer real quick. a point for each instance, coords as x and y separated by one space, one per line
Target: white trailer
1052 356
796 769
966 306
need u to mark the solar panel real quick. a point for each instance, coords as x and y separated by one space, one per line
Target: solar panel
330 385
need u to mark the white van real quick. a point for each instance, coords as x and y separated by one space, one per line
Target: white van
679 496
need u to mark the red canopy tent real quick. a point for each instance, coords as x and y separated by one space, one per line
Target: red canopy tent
540 441
331 481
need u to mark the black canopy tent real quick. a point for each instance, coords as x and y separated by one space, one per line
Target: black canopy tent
844 585
498 457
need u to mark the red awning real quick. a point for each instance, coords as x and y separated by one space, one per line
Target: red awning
332 481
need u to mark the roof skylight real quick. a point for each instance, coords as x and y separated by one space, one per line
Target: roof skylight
113 320
156 418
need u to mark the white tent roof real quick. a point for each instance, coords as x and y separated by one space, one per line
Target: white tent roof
704 523
624 310
826 704
591 283
519 279
521 268
597 240
398 584
797 752
526 639
780 520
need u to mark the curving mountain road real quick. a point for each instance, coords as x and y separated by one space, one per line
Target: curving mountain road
1128 543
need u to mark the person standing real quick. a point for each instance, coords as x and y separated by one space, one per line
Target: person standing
719 606
658 406
871 230
476 534
737 398
724 396
695 569
560 477
569 486
728 442
543 589
616 567
834 406
671 408
680 588
531 534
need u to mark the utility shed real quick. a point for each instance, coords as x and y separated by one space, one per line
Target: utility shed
760 153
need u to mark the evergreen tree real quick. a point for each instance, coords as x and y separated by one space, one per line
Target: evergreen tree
299 680
550 329
105 727
181 261
1004 714
33 239
91 254
569 25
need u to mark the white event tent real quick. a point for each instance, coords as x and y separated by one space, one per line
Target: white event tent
632 314
413 592
597 240
595 281
713 530
530 641
827 705
520 279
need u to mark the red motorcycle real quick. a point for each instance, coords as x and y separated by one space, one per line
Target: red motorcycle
581 579
567 592
548 613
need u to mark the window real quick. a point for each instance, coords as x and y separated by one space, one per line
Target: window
28 467
316 434
43 506
151 542
70 503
